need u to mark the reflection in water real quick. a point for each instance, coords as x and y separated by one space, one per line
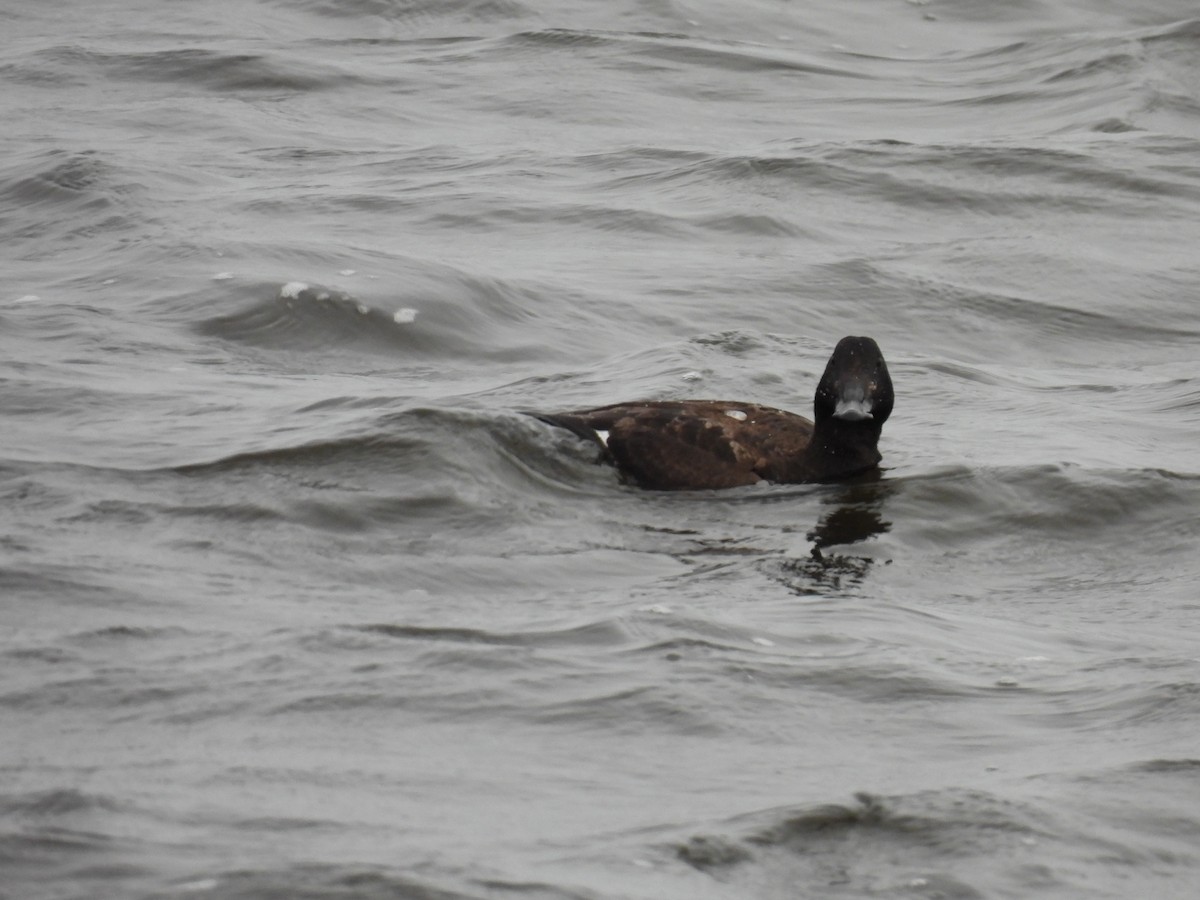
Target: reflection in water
855 514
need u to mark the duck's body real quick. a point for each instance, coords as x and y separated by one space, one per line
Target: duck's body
712 444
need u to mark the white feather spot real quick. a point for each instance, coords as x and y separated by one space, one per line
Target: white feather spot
736 414
404 316
602 436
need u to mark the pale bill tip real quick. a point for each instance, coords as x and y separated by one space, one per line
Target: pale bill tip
852 411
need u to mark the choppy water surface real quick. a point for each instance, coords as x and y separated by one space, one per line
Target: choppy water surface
298 603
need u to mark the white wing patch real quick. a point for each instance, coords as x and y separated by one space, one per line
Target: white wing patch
736 414
602 437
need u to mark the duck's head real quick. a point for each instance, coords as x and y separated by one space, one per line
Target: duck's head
856 386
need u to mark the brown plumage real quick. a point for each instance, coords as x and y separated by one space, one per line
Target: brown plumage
712 444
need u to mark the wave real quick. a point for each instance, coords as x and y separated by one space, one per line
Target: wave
599 634
1065 503
944 843
360 882
62 198
455 316
650 50
967 843
416 13
54 803
202 68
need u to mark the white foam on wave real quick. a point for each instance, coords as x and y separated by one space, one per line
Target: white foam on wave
404 315
292 290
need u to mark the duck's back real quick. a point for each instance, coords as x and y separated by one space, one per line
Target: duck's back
696 444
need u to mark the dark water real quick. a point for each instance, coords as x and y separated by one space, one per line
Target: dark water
298 604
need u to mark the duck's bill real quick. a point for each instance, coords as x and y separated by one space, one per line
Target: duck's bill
852 410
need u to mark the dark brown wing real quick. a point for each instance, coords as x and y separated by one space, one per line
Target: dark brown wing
695 444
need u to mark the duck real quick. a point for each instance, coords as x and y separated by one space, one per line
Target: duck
680 445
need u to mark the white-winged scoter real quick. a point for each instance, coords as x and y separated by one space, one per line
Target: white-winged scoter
673 445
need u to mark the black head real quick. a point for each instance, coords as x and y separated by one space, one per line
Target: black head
856 386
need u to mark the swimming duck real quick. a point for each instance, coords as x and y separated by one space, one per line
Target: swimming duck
675 445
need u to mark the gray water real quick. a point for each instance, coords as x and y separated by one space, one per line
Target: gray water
297 603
